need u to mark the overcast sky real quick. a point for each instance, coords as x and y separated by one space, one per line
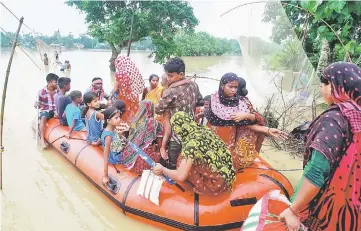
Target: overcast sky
46 16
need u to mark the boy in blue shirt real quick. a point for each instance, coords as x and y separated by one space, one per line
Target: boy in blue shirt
73 114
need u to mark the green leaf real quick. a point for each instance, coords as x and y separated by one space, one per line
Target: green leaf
321 29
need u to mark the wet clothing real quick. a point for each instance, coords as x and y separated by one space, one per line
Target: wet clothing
212 170
316 171
116 146
336 134
46 99
144 131
72 112
243 143
131 85
94 128
183 96
61 101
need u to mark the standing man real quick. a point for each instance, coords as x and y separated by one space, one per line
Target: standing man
182 94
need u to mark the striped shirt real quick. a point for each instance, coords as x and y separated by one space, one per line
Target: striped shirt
46 99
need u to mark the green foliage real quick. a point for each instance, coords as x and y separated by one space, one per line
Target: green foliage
204 44
343 17
287 58
110 21
69 41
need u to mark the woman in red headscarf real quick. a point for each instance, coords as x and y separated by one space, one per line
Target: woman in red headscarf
328 195
129 85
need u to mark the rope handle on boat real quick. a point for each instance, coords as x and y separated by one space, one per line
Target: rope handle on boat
71 138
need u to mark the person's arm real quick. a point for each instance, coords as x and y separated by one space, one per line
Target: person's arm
71 128
200 101
145 91
268 131
243 116
99 116
314 177
107 141
167 134
180 174
163 104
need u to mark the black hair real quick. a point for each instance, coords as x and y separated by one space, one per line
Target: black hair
97 78
75 95
108 114
175 65
242 91
152 76
324 80
120 105
87 98
51 77
63 81
207 98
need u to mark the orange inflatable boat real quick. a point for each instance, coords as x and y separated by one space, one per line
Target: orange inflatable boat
179 207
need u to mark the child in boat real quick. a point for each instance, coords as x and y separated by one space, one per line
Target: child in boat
73 114
182 94
112 141
93 118
144 131
62 100
46 103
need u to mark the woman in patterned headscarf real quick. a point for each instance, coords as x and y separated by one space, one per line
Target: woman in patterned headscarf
231 116
204 161
328 195
129 85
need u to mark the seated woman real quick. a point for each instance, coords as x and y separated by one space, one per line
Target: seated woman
154 91
233 119
204 161
328 195
144 131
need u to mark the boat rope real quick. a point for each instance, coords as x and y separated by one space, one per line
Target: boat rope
18 44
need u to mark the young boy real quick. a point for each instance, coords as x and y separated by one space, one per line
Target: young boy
46 104
73 114
182 94
62 100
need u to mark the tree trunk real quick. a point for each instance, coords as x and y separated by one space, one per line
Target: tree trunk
115 54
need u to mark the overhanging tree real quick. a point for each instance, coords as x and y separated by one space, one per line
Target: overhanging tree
336 21
110 21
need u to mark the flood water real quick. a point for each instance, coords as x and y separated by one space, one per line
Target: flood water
41 191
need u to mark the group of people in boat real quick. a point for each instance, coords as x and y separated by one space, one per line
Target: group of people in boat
208 147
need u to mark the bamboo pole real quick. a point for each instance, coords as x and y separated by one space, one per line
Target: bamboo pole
3 100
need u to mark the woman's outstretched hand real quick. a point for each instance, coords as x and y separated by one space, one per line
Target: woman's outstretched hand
292 221
158 169
278 134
